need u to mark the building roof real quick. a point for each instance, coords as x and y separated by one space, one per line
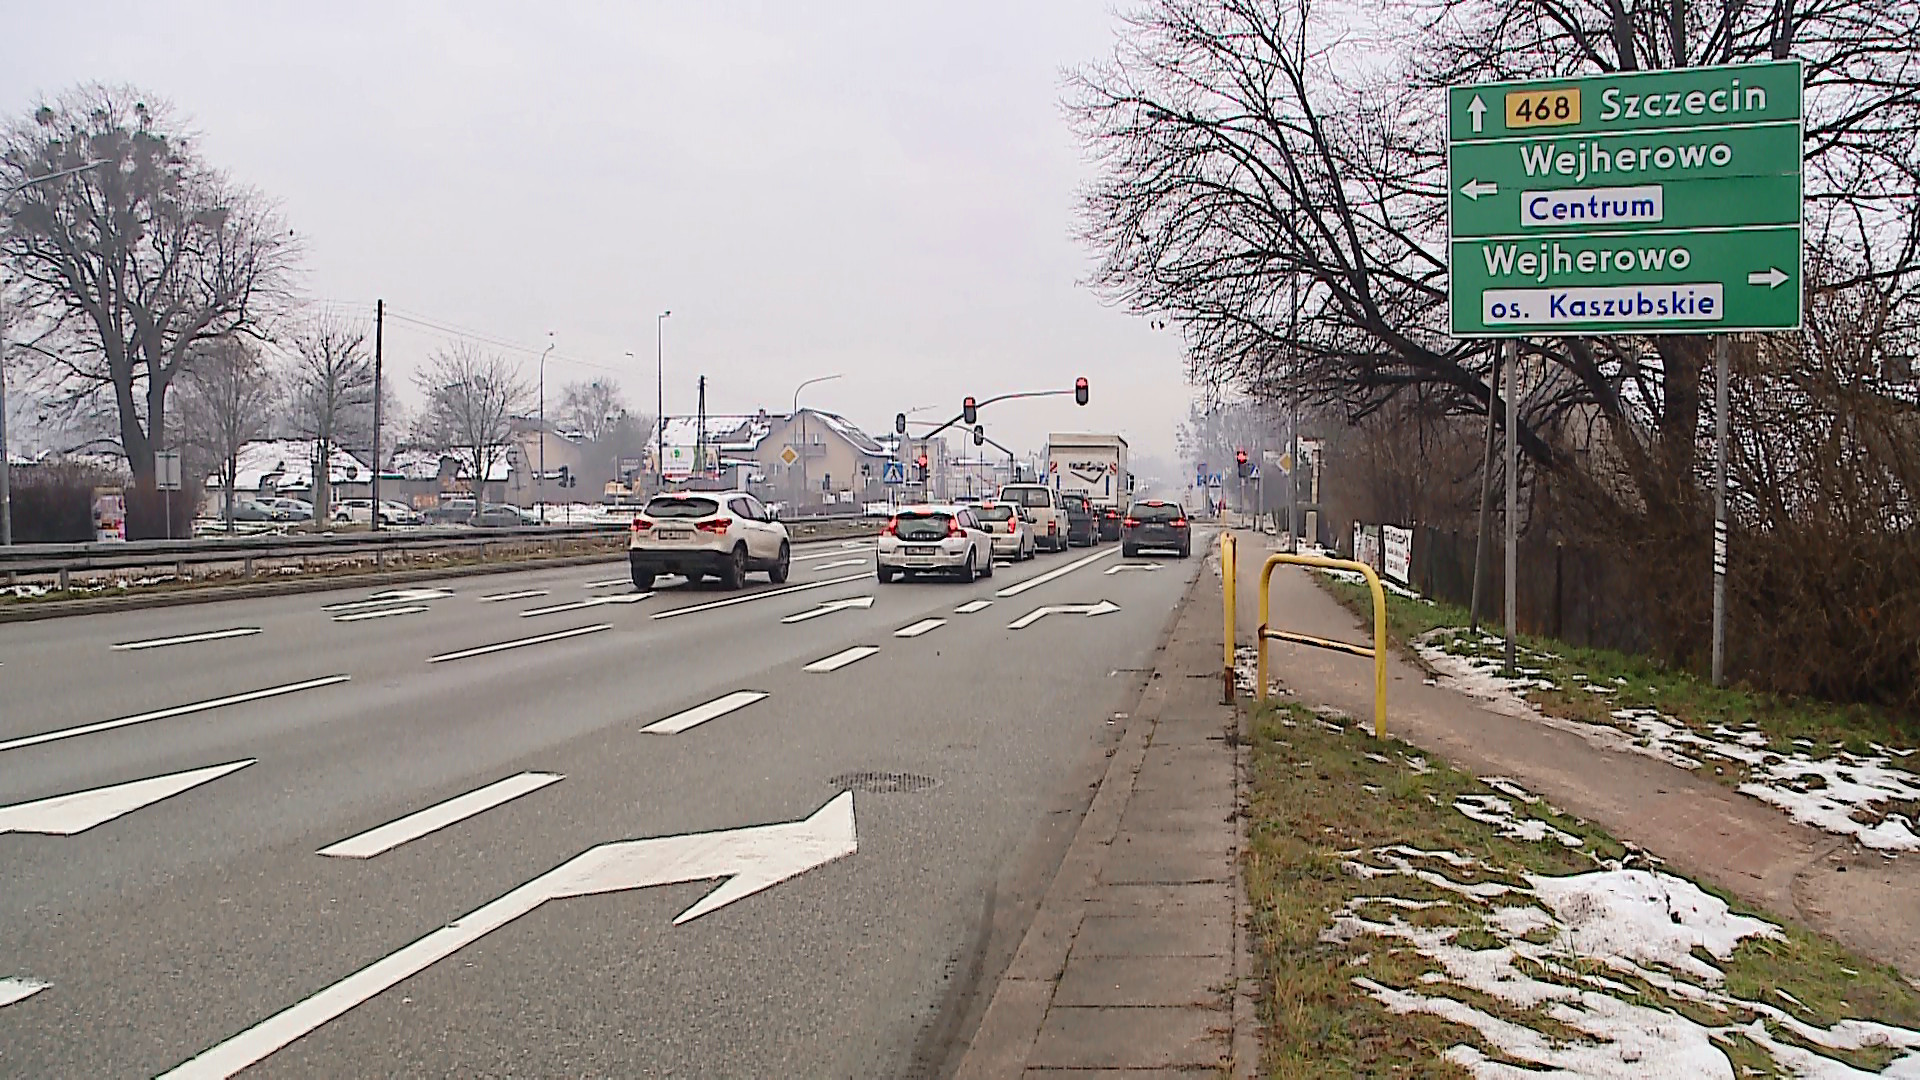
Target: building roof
730 434
850 431
289 462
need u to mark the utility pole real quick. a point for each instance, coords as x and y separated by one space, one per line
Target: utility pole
6 455
1293 426
379 324
540 479
1513 495
1720 510
700 430
1486 496
660 398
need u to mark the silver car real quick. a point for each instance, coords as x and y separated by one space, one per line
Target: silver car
719 533
936 539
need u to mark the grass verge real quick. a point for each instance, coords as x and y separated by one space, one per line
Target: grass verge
1326 799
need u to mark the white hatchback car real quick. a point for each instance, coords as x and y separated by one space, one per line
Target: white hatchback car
941 539
1011 528
695 533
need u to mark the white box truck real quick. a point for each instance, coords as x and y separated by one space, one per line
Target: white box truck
1095 466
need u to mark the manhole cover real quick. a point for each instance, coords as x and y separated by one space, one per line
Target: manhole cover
882 782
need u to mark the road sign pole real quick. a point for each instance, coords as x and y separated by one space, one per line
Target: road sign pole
1720 509
1513 494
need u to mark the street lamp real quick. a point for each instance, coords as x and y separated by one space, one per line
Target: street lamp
540 481
660 397
6 455
803 430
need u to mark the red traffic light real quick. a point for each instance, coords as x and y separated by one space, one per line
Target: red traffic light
969 411
1080 391
921 461
1240 456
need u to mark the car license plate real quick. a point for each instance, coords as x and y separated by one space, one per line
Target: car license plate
921 553
676 534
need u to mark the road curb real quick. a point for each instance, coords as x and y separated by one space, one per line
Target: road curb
1012 1021
35 611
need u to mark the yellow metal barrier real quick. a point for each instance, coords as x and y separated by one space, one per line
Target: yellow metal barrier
1378 652
1229 578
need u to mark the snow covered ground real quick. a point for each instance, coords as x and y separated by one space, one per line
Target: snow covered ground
1614 973
1829 788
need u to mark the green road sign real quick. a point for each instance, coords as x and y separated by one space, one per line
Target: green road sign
1654 202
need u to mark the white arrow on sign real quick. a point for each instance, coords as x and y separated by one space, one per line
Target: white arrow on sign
830 607
64 815
1133 566
1034 616
1772 277
751 859
1476 188
1478 110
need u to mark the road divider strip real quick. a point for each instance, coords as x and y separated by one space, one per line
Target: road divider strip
920 627
750 597
187 639
1056 573
841 659
700 714
519 643
359 616
165 714
404 830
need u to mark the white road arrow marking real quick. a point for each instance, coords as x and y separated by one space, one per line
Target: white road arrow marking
597 601
830 607
751 597
700 714
64 815
1133 566
920 627
972 606
1039 613
841 659
1057 573
824 567
505 645
12 990
187 639
751 859
163 714
1477 109
380 613
523 594
1772 277
438 816
1476 188
391 596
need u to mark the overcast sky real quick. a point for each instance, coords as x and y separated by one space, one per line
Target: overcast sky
884 190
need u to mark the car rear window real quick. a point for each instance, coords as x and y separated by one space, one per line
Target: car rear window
921 526
1029 496
679 507
994 513
1155 512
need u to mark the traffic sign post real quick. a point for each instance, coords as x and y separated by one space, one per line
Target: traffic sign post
1653 202
1660 202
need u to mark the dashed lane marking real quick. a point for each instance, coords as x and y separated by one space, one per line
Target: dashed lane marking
750 597
700 714
520 643
841 659
361 616
1056 574
972 606
187 639
438 816
177 710
523 594
920 627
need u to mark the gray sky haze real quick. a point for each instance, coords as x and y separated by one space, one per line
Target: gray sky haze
881 190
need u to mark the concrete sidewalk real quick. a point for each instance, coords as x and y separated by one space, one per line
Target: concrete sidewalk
1701 828
1133 959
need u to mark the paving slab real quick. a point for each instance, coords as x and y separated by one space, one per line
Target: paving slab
1130 1038
1166 981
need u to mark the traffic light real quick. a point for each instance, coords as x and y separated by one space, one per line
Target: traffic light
1240 462
979 435
969 412
900 423
921 464
1080 391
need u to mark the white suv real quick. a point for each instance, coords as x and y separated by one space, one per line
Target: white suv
1043 506
720 533
934 539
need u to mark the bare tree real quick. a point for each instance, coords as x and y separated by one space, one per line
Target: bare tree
592 408
227 400
471 399
331 399
134 265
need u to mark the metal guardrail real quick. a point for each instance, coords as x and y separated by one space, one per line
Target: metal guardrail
1377 652
65 560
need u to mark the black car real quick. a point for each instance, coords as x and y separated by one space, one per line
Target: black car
1083 528
1156 524
1109 521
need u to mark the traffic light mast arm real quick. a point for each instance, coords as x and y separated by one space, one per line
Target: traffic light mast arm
960 417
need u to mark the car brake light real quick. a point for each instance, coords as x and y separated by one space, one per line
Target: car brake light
1131 523
891 528
641 524
717 525
1179 523
954 529
1051 526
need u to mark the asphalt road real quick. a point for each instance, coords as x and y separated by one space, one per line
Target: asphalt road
204 930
